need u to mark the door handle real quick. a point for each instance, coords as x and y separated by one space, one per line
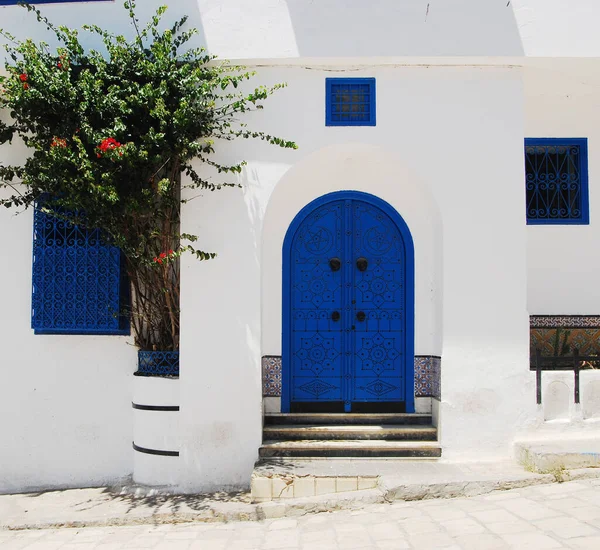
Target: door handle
335 316
335 264
362 264
361 316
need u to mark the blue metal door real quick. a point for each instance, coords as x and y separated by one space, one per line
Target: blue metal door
348 305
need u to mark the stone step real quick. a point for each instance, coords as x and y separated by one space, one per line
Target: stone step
556 455
347 418
389 432
350 449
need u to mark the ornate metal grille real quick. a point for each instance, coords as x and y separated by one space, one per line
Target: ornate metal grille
78 282
556 181
158 363
350 102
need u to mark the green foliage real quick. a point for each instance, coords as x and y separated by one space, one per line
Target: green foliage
110 133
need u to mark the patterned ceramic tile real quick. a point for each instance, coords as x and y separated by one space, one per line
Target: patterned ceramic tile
427 376
271 375
552 341
564 321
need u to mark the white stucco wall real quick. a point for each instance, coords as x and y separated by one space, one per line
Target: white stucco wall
450 136
563 100
65 401
296 29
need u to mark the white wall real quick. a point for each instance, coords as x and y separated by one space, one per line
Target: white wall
65 401
454 134
288 29
563 100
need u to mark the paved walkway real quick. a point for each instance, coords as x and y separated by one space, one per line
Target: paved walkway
541 517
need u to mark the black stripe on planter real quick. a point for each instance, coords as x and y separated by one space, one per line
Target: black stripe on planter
154 451
164 408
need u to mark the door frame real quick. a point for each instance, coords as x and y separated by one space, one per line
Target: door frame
409 367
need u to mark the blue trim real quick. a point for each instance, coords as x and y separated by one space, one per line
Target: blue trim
584 219
410 290
329 82
15 2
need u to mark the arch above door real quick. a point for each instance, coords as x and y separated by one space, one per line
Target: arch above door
348 307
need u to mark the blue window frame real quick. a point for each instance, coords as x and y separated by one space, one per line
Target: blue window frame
350 102
556 172
79 286
14 2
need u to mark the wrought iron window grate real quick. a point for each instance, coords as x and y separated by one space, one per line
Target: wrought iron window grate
556 181
350 101
79 285
158 363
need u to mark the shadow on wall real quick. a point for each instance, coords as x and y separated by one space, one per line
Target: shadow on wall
419 27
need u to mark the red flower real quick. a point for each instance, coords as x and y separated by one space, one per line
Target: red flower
26 86
109 144
59 65
58 142
170 252
23 77
159 261
162 255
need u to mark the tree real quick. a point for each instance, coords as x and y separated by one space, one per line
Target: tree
110 134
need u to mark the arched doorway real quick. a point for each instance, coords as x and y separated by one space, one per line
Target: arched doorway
348 307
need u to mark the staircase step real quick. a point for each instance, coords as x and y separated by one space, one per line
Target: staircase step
389 432
347 418
350 449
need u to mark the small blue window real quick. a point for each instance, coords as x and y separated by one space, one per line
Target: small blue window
79 286
556 171
350 101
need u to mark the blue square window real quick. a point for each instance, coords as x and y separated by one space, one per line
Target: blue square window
350 102
556 171
79 282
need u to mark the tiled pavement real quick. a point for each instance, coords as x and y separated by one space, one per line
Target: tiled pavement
563 515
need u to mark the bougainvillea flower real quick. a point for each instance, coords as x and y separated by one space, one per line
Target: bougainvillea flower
23 77
26 86
162 255
58 142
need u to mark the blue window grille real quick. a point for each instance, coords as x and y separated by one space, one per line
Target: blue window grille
350 101
79 285
14 2
557 181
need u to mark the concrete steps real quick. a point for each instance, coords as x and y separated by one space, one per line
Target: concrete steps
352 435
350 449
389 432
356 419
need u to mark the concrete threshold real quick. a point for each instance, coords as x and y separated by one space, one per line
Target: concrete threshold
130 505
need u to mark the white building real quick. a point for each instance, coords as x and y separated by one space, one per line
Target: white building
421 205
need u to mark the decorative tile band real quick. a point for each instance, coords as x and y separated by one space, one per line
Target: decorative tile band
428 371
271 375
564 321
427 376
560 335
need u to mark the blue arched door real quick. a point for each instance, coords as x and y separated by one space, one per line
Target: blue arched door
348 306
